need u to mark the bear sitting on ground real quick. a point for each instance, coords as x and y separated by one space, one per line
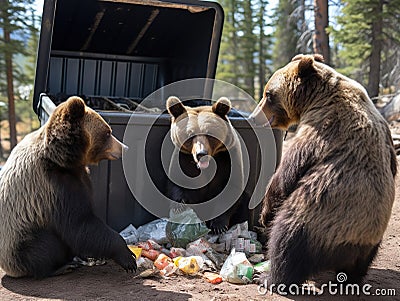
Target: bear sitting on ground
330 200
45 196
208 152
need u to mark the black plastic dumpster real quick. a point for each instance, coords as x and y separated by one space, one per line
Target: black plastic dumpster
116 53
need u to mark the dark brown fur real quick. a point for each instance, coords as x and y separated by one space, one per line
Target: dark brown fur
334 190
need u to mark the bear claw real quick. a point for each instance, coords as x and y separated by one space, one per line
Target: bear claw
127 262
131 268
218 229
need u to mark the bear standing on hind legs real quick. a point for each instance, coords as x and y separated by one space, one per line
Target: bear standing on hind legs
329 202
45 196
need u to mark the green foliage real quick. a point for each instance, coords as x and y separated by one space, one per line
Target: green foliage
249 55
244 44
227 63
354 36
291 32
15 16
257 39
18 18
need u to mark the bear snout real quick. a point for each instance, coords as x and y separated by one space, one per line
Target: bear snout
259 117
203 162
200 152
117 148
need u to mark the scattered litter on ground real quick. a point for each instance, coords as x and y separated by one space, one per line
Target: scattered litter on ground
237 269
213 278
181 246
88 261
264 266
256 258
154 230
136 250
189 265
184 227
130 234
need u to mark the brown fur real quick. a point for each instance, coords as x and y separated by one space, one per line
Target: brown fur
199 134
46 195
335 185
198 122
76 125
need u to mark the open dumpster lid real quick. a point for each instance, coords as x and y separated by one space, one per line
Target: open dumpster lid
180 39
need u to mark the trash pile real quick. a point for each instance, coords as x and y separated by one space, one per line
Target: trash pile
182 245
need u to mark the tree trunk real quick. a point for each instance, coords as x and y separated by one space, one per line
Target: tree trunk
303 47
1 146
234 42
10 95
248 48
10 79
261 64
376 49
320 37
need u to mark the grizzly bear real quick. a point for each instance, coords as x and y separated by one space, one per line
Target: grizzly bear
46 216
329 202
207 165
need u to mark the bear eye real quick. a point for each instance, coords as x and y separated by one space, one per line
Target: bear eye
107 135
269 96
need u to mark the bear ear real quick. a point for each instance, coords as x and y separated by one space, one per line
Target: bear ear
175 107
222 106
306 66
297 57
319 58
74 108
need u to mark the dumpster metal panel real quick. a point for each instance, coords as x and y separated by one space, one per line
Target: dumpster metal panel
122 48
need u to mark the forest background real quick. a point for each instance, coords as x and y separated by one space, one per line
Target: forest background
359 38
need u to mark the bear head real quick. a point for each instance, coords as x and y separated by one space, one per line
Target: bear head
289 92
76 135
201 131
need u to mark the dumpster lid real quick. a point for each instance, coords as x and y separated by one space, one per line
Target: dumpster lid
186 31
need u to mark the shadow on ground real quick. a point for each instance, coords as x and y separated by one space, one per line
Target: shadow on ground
106 282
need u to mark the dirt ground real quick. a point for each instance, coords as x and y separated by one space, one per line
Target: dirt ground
109 282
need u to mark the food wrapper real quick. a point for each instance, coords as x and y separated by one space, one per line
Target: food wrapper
154 230
212 277
237 269
130 234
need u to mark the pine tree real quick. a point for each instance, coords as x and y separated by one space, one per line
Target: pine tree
237 59
368 37
248 47
320 37
227 69
14 26
263 47
287 33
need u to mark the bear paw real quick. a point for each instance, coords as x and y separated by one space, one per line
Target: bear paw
127 260
219 226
